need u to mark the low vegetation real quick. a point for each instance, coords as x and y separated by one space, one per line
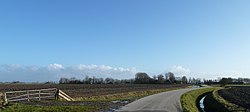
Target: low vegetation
27 108
189 100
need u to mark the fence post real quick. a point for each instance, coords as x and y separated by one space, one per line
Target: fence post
39 95
57 94
28 95
5 98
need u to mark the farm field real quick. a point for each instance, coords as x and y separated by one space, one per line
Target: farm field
82 90
103 97
239 95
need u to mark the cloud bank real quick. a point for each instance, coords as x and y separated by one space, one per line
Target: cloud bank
179 70
53 72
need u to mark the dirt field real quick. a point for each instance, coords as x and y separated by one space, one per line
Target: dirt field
88 91
82 90
239 95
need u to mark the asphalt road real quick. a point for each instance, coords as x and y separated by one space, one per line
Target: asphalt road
162 102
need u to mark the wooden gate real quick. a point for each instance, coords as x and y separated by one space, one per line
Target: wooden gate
28 95
35 95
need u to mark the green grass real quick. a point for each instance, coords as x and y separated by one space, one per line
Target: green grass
26 108
189 99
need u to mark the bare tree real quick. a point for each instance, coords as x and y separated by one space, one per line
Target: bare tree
184 80
161 79
171 78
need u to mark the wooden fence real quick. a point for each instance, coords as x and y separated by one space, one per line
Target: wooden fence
63 95
28 95
34 95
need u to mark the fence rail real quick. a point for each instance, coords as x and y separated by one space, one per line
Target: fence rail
33 95
28 95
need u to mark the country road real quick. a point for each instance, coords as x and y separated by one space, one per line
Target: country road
162 102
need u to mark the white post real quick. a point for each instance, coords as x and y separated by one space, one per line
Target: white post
39 95
5 98
28 95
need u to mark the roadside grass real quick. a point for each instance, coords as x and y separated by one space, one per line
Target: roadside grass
16 107
230 106
190 99
129 96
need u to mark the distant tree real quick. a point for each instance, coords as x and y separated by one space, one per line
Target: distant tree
190 80
171 77
72 80
94 80
109 80
184 80
87 80
167 81
63 81
208 82
100 81
142 78
116 81
161 79
225 81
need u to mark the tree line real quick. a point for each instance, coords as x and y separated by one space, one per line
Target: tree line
140 78
223 81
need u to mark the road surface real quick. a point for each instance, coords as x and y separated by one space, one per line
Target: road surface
162 102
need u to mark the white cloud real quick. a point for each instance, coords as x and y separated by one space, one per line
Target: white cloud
55 66
215 75
33 68
55 71
179 70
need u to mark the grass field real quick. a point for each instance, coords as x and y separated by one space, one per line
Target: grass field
189 100
26 108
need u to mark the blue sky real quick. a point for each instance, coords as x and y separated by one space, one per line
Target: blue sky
203 37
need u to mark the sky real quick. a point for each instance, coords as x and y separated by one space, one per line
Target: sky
48 39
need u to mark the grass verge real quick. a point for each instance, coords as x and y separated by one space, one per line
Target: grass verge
26 108
230 106
189 99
